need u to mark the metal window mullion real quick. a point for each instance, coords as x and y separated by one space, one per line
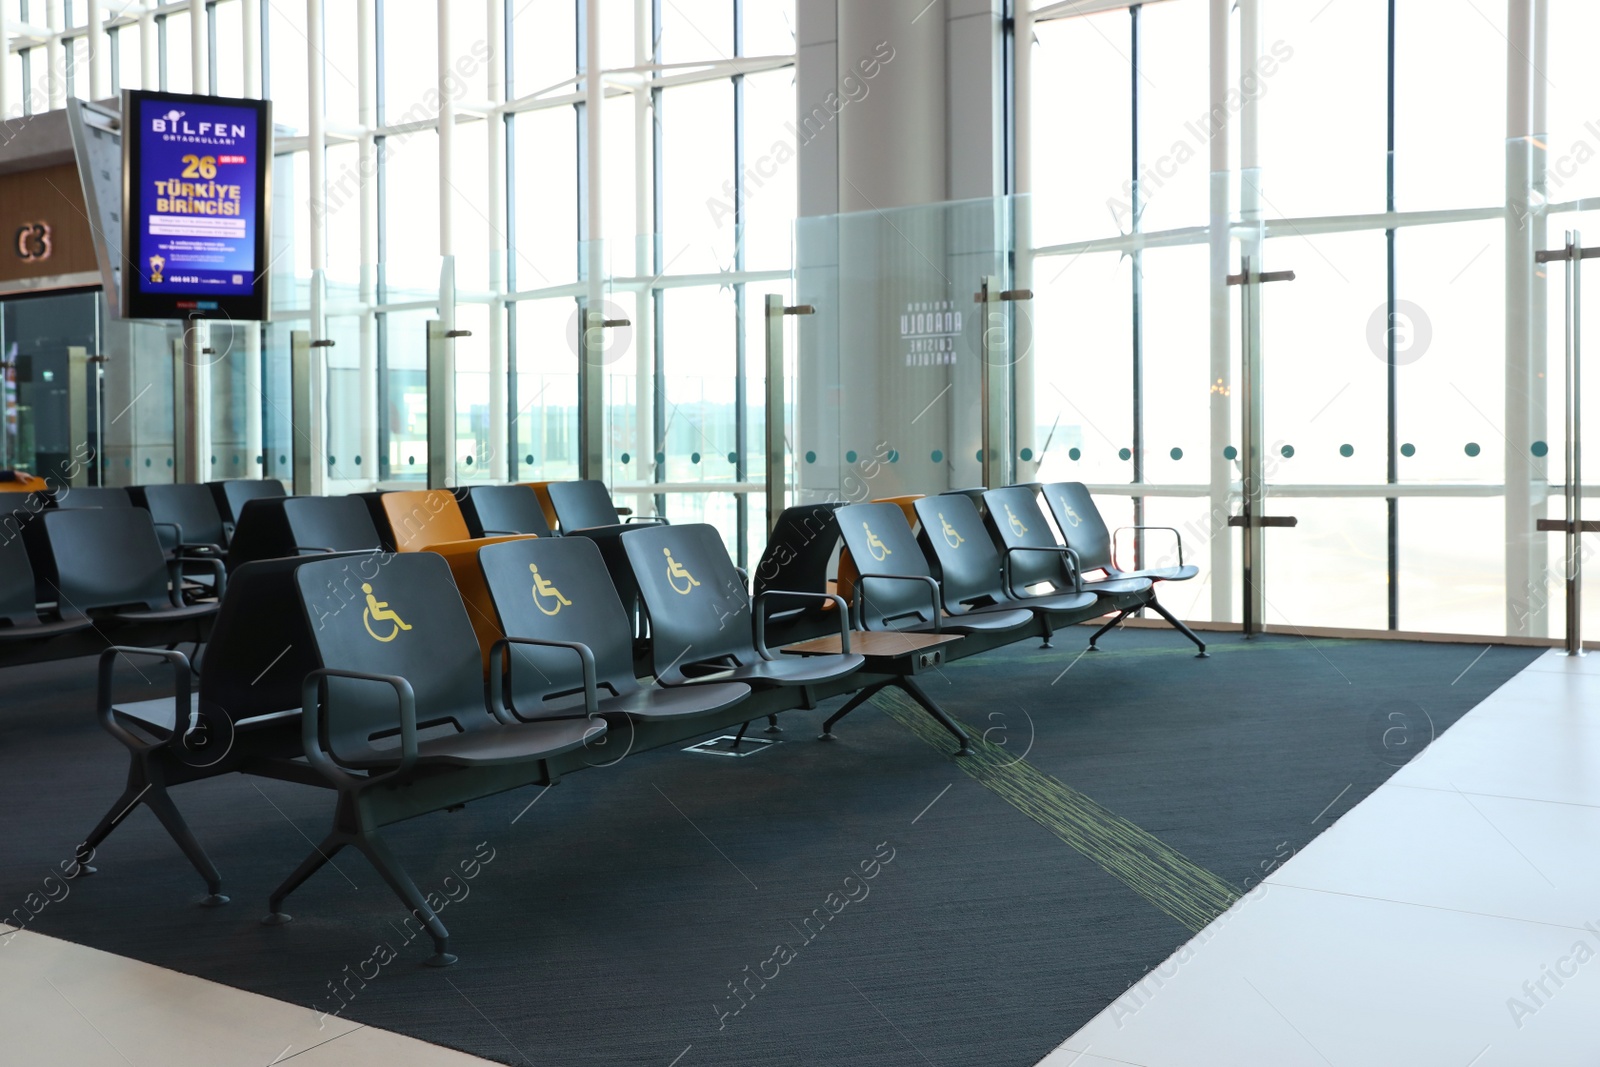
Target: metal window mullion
741 420
1137 282
1392 386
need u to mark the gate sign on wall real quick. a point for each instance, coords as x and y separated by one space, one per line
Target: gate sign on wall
196 206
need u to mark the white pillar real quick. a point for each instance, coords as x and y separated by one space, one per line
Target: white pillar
250 16
644 355
594 105
447 140
1525 588
1221 335
5 65
314 436
95 39
55 58
499 428
149 41
367 191
199 82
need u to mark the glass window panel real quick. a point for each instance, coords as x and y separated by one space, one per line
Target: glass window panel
696 166
230 48
1571 82
698 330
1204 537
411 168
1082 155
286 30
179 66
1453 566
696 30
1332 569
1083 310
544 41
472 233
341 67
1178 389
1325 389
410 61
1451 342
545 421
1174 88
770 190
620 211
129 71
406 412
546 198
768 28
1323 89
1450 105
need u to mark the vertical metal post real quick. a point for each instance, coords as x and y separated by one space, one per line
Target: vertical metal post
199 84
78 379
591 352
777 410
191 395
95 36
307 386
1574 411
1252 461
441 405
497 467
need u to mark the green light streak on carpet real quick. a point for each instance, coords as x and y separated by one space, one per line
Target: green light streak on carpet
1160 874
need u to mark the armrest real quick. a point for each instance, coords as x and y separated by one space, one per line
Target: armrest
656 519
180 693
500 702
219 576
318 550
311 725
198 549
1074 566
177 532
759 615
1172 529
933 590
503 533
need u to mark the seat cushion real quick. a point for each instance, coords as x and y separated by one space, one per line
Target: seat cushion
34 631
982 621
1058 601
192 611
790 670
494 746
1163 574
1121 585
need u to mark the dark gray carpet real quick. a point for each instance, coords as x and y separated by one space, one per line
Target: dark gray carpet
618 913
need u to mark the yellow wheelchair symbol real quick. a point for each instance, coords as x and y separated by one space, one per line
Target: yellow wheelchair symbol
1016 523
1072 516
676 570
879 550
951 537
542 588
379 611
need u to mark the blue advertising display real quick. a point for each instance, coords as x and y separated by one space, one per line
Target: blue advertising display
196 206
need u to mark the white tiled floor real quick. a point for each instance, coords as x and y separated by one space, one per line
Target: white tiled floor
1402 934
65 1005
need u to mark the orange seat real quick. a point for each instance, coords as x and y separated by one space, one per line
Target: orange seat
424 517
543 494
474 588
24 483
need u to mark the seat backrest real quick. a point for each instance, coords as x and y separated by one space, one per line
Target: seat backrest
881 542
556 589
1015 520
187 506
905 503
341 523
18 604
105 558
581 505
542 491
400 615
230 496
93 496
1079 521
261 531
799 550
698 606
261 646
954 535
373 502
423 517
492 510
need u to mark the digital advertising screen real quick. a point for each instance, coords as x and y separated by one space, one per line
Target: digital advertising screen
196 206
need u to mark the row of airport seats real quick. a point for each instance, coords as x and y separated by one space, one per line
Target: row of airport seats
425 667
